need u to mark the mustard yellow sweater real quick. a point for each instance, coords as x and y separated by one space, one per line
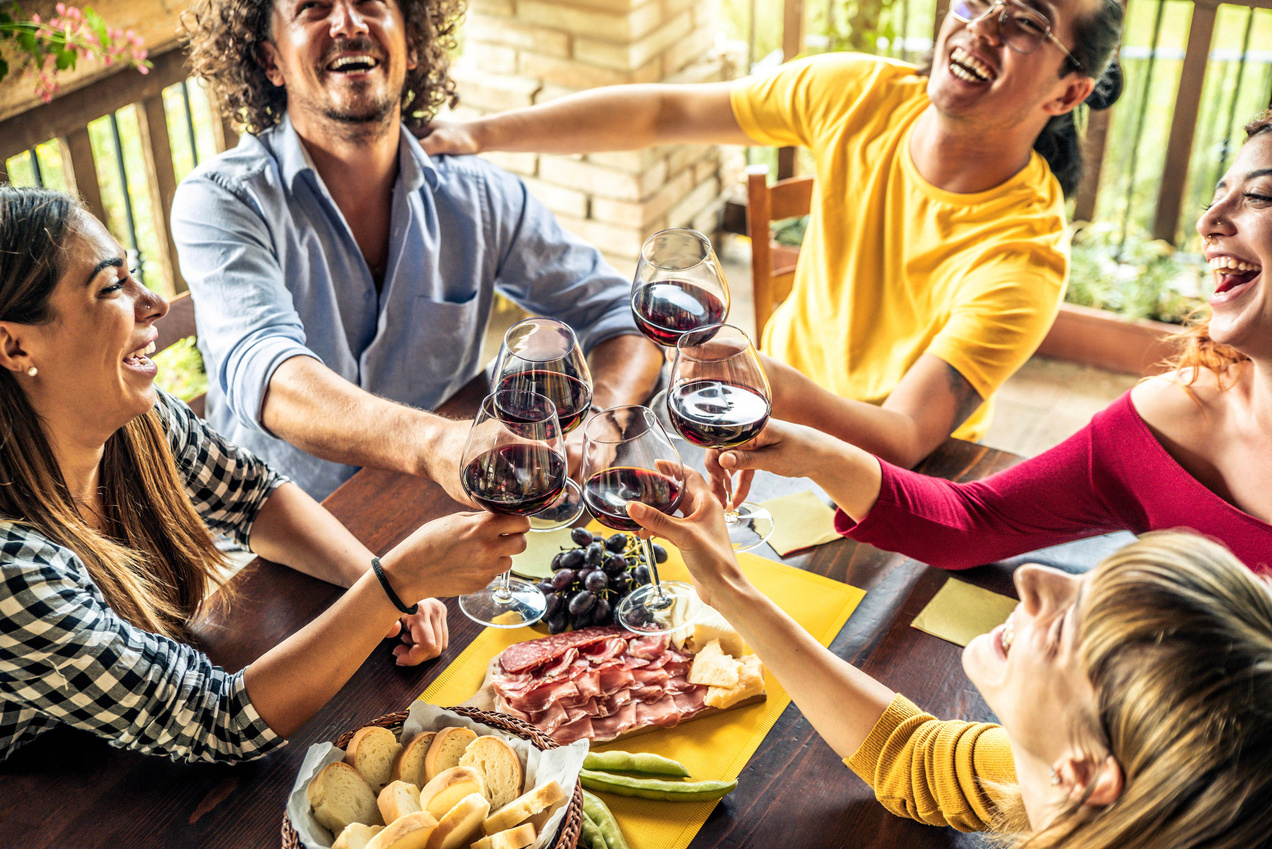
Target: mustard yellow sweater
932 770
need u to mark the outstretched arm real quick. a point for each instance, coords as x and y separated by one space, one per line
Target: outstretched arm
627 117
842 702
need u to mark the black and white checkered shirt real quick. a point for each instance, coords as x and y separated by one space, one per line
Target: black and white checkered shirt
67 658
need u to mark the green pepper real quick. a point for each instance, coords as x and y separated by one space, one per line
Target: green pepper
590 833
653 788
645 763
601 815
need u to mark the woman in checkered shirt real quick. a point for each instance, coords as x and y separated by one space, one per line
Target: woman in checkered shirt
108 491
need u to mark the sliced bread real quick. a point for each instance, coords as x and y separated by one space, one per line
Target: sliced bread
461 824
397 799
372 752
356 836
443 792
409 764
519 810
445 751
514 838
412 831
500 765
340 796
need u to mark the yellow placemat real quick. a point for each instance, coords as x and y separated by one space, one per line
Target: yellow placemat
715 747
800 520
960 611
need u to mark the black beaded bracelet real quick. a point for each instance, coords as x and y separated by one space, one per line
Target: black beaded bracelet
388 590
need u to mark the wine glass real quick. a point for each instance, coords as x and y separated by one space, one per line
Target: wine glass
627 456
514 463
720 398
542 355
678 286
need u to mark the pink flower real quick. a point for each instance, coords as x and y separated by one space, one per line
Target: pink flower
61 8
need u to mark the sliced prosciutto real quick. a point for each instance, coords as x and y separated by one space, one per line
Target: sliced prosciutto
597 683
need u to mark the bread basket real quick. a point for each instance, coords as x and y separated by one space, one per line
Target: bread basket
567 836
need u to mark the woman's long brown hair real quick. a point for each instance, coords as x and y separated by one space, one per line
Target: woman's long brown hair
155 560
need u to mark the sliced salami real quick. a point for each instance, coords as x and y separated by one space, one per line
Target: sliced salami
533 653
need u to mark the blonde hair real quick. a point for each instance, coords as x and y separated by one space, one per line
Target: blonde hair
155 560
1176 638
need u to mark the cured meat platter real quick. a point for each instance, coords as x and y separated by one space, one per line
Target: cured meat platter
598 683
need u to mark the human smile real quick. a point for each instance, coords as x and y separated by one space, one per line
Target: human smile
353 63
139 359
1233 277
969 68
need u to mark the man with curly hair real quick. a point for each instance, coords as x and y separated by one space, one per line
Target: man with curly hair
343 278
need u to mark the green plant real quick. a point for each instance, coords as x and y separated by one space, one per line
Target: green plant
181 370
47 47
1140 278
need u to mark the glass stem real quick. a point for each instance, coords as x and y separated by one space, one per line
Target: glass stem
503 592
730 515
652 562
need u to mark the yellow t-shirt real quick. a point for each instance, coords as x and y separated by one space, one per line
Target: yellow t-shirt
934 771
891 266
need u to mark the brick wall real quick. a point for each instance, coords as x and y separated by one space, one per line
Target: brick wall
521 52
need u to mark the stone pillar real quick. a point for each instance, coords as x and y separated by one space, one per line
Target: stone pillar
522 52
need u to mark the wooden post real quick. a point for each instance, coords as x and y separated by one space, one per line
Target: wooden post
161 180
792 46
1093 152
81 175
1183 127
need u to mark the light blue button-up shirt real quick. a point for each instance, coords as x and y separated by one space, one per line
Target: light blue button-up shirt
275 273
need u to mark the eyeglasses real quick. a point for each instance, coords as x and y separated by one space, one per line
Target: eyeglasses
1021 28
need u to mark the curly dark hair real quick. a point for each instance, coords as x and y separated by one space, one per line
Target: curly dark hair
224 39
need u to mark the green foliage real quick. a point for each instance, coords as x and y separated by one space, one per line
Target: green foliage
181 370
1142 280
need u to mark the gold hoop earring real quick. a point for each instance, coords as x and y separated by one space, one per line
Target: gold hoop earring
32 371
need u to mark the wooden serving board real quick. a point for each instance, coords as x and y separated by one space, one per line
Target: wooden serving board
484 699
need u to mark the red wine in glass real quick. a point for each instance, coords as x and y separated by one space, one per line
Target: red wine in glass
666 309
571 395
516 479
607 492
717 413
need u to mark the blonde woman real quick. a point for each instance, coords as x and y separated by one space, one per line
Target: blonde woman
108 489
1135 700
1190 449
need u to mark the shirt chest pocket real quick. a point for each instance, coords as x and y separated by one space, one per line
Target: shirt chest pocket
444 346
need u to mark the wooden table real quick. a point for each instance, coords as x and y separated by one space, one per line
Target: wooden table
70 789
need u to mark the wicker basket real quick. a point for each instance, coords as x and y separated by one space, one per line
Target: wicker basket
567 836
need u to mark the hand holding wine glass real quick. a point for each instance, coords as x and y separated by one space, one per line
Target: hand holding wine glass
513 463
627 457
719 398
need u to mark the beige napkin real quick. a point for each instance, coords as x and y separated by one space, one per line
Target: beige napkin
541 547
961 611
800 521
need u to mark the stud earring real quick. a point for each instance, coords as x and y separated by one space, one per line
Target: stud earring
32 371
1055 777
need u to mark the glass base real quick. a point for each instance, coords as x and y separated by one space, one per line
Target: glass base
646 610
753 525
522 603
561 513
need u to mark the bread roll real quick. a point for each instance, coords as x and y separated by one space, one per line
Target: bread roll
514 838
412 831
356 836
461 824
397 799
443 792
372 752
409 764
340 796
520 810
446 750
500 765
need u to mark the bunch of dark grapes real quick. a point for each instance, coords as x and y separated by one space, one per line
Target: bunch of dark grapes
589 580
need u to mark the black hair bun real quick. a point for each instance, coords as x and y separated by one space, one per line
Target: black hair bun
1108 88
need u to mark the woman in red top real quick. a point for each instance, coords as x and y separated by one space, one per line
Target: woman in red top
1189 449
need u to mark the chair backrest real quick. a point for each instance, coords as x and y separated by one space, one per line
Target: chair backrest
175 326
772 265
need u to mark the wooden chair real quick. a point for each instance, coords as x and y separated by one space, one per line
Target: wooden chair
175 326
772 265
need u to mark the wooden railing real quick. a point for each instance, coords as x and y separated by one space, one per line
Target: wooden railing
66 120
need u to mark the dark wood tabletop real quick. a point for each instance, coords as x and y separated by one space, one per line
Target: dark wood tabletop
68 789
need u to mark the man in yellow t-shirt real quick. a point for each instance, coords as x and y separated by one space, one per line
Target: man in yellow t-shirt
935 258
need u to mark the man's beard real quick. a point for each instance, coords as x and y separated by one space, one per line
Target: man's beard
373 111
